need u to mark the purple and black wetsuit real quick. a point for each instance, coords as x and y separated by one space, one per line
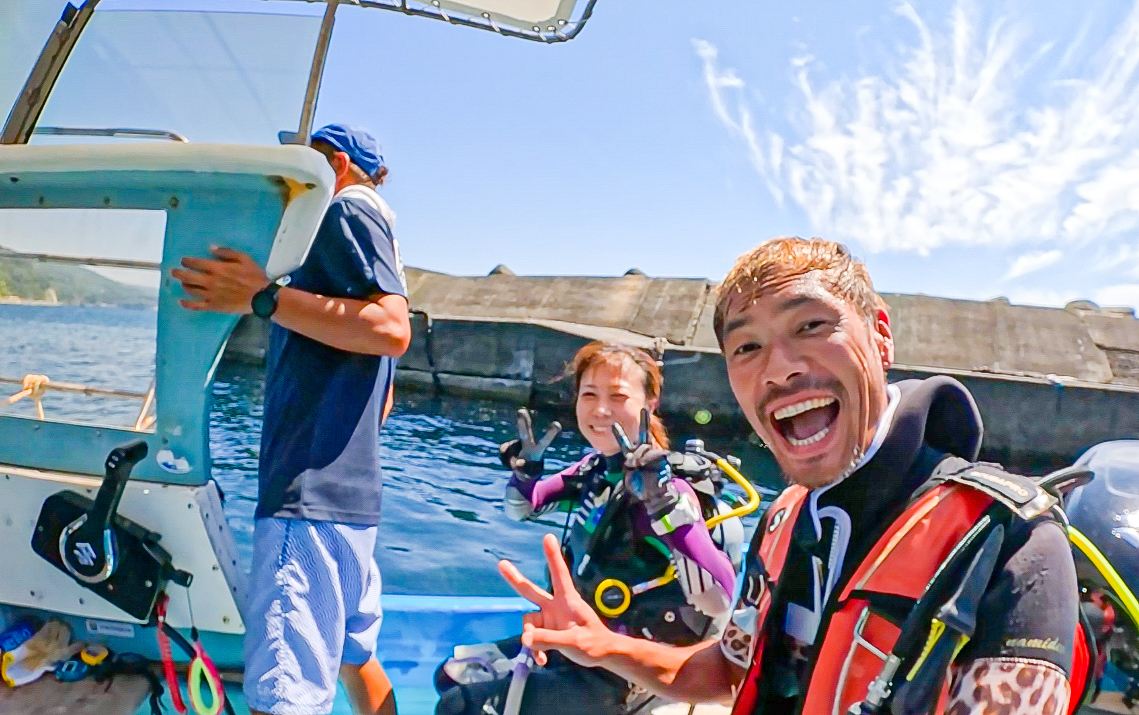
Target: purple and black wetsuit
610 537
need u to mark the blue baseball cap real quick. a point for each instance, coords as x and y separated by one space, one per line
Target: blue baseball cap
360 146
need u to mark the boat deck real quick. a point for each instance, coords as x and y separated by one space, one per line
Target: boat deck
47 696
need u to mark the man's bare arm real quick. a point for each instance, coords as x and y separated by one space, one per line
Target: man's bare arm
377 326
694 674
371 327
566 623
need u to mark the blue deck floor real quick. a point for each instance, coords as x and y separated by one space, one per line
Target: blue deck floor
418 633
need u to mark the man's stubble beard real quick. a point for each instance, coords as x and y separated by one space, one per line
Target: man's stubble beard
851 467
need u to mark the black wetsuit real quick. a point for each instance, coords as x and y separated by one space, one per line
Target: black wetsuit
1030 607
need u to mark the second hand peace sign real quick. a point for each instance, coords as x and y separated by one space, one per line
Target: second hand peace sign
524 455
532 450
643 461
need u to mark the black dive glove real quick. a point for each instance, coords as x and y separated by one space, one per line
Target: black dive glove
648 477
525 454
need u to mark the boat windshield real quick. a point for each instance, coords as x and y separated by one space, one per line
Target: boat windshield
23 29
207 71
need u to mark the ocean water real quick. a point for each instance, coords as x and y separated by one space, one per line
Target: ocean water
443 529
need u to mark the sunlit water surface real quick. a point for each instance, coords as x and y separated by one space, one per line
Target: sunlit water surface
442 530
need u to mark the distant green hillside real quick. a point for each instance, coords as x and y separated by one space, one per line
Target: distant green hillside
32 280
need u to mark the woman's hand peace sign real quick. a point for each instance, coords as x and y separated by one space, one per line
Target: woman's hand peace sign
525 453
532 450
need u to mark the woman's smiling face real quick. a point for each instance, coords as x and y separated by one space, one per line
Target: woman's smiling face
610 393
810 375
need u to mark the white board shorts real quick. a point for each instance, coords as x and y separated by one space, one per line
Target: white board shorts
314 604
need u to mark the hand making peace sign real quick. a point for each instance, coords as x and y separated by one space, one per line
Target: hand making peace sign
525 454
564 621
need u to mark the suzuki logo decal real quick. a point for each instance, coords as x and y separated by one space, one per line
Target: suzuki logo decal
84 554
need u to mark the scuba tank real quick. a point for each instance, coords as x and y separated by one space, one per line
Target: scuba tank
1104 519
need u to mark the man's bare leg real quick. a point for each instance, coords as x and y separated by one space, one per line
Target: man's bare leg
369 689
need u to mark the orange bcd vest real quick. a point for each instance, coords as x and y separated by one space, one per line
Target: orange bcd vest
902 562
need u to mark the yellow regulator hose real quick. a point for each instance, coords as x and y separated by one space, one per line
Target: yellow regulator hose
752 495
1104 567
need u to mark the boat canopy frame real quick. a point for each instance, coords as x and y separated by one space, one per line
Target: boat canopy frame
565 25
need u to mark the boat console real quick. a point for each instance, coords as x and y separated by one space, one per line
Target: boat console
103 523
97 518
102 550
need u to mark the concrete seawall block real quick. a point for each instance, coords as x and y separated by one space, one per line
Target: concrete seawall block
415 380
1036 426
1050 382
994 336
248 341
417 356
468 347
695 381
493 388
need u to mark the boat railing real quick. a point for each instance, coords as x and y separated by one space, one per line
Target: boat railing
33 387
111 132
80 260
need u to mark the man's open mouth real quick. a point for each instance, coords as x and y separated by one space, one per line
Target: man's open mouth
805 423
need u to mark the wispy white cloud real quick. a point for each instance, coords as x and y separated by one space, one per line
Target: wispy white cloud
1120 260
942 149
1123 294
737 117
1031 262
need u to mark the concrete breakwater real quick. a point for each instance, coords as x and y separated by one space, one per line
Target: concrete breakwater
1050 382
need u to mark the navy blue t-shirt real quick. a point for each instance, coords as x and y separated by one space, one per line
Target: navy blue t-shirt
323 406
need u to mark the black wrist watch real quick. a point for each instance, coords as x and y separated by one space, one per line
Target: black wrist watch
264 301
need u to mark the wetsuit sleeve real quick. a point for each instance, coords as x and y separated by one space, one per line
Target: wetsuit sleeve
527 498
739 633
1019 658
704 571
565 486
1030 609
356 253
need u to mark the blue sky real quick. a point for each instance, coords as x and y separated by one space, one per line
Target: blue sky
964 149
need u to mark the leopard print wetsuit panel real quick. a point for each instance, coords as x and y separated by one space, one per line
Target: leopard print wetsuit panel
1008 686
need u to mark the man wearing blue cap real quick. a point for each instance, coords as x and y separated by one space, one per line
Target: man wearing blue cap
339 324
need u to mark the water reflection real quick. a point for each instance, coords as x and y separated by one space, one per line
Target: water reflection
109 348
443 528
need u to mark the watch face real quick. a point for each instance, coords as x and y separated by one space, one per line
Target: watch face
264 303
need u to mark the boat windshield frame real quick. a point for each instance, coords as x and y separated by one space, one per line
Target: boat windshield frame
29 105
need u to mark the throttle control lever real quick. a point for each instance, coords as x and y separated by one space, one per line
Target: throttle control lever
88 545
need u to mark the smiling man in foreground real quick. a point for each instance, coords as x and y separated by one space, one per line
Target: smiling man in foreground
894 572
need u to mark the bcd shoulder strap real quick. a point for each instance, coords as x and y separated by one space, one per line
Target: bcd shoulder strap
1021 495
